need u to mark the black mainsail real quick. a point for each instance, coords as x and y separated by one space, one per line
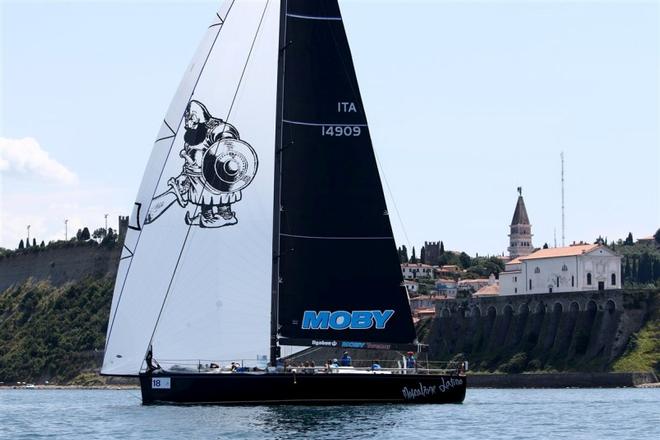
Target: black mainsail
339 280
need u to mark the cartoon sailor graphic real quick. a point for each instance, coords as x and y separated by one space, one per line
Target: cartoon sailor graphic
217 166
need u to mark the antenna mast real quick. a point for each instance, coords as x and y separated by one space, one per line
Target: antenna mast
563 218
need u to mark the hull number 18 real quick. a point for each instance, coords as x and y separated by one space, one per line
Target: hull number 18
160 383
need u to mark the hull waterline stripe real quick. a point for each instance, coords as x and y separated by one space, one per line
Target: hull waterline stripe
310 17
314 124
335 238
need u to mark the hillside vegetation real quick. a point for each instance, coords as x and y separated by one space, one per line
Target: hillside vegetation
53 333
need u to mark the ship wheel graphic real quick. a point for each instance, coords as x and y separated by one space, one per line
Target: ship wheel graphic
229 165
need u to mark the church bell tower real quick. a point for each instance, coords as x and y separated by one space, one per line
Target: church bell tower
520 238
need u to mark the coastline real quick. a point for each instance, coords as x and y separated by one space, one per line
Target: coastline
475 380
564 380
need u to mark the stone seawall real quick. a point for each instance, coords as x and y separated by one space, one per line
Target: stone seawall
59 265
583 331
560 380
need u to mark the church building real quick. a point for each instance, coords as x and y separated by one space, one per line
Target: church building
577 268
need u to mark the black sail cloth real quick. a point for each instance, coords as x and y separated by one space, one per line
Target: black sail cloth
336 248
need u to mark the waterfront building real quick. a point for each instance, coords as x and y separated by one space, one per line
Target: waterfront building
470 286
416 270
411 286
448 271
520 236
446 287
577 268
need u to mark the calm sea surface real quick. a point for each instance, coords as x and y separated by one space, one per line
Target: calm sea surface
486 414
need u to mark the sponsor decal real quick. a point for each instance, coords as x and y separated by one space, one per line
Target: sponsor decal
344 320
324 343
347 344
425 391
376 346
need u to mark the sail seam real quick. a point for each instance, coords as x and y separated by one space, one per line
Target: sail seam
315 237
311 17
137 241
326 124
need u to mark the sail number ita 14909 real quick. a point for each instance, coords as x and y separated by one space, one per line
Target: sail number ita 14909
160 383
340 130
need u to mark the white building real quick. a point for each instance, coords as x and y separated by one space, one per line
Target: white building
576 268
447 288
411 286
416 270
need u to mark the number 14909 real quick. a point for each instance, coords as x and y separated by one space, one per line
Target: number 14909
340 130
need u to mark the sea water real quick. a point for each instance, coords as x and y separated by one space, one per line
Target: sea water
486 414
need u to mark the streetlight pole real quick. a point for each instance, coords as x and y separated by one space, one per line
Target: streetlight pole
106 223
66 229
28 230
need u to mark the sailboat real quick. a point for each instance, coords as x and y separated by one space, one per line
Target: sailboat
261 188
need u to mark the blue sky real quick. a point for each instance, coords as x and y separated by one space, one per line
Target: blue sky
466 101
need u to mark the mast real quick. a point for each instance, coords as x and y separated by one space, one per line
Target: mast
277 193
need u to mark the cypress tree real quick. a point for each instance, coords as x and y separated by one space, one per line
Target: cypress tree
629 239
34 242
21 245
413 259
442 248
422 255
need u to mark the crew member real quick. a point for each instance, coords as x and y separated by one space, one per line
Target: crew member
411 362
346 360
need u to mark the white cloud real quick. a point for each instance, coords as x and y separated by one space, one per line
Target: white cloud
25 156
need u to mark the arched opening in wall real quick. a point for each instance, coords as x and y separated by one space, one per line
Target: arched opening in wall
520 323
613 279
475 313
566 329
445 313
536 322
553 326
584 325
506 324
610 306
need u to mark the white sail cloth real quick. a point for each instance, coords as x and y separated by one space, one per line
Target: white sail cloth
195 274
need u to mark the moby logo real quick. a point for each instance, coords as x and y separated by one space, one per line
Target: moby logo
343 320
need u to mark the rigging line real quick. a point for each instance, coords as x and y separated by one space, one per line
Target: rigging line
378 163
137 241
201 194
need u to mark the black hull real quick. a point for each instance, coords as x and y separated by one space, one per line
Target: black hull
290 388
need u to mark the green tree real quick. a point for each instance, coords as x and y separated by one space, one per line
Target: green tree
403 256
442 248
413 259
85 234
34 242
79 235
99 234
465 260
629 240
422 255
545 246
27 243
42 245
656 236
21 246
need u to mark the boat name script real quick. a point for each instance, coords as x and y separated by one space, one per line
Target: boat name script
342 320
424 391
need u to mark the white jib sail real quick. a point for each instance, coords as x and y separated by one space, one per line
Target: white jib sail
195 275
